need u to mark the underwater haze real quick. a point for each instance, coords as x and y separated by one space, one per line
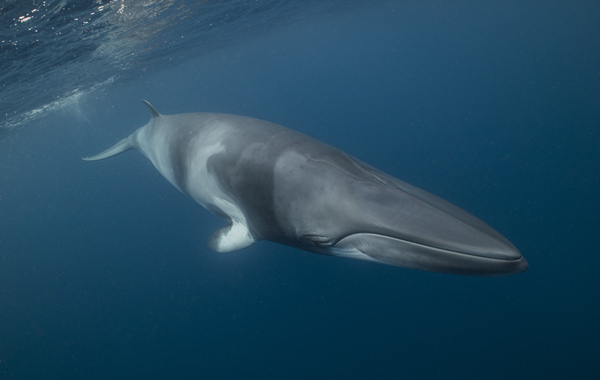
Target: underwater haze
104 269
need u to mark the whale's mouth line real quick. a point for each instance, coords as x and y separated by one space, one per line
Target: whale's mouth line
489 256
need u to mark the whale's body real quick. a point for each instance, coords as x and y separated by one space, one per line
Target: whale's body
273 183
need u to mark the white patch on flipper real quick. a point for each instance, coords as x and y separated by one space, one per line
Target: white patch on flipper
230 238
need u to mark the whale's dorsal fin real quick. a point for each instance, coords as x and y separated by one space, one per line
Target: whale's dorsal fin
153 112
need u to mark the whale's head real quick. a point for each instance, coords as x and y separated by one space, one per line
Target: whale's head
405 226
411 228
363 213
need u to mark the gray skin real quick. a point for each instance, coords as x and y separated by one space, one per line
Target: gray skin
273 183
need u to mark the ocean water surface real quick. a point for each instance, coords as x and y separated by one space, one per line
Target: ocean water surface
104 269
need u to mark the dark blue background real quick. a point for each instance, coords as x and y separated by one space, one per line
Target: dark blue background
494 106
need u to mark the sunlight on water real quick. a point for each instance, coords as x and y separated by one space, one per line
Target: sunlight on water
67 100
54 49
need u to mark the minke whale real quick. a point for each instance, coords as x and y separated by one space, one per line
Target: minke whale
273 183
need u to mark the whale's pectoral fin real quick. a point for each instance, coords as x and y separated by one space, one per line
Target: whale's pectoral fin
230 238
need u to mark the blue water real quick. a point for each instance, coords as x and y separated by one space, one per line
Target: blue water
104 270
